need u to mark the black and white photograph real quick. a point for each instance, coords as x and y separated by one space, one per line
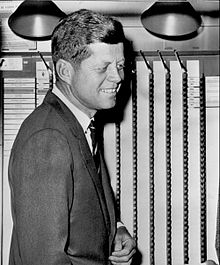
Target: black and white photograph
109 132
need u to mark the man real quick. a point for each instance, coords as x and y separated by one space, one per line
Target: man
62 205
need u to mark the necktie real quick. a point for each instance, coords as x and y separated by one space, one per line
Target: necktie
95 149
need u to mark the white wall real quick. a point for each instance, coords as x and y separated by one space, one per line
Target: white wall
160 167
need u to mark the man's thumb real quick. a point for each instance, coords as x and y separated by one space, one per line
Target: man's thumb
118 245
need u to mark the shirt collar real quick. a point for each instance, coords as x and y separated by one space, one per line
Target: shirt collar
82 118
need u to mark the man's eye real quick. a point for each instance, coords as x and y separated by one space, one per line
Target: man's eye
102 69
120 66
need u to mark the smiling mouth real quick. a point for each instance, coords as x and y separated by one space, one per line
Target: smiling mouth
111 90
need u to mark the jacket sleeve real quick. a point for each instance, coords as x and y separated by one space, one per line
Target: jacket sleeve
41 198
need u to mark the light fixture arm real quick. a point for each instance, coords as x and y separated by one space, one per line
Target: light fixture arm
146 62
49 70
180 62
163 62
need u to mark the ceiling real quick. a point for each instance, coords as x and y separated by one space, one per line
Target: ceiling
133 8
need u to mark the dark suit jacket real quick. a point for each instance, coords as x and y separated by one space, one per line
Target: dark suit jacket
63 213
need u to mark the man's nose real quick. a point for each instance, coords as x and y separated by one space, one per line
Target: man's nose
115 75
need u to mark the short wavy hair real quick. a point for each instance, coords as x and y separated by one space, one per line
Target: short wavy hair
71 37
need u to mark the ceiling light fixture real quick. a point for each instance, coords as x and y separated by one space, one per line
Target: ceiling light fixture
171 20
35 19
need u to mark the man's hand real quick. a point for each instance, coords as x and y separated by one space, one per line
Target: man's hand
124 248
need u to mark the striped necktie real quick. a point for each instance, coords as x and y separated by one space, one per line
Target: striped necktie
95 148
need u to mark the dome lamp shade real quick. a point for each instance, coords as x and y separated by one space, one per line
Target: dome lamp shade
171 20
35 19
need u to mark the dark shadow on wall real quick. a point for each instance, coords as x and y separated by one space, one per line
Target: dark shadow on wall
137 259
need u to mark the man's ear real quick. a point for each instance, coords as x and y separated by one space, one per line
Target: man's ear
64 70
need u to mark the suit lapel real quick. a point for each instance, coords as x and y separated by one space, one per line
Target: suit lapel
90 164
77 131
110 200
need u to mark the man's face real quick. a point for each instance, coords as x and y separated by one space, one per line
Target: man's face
95 84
